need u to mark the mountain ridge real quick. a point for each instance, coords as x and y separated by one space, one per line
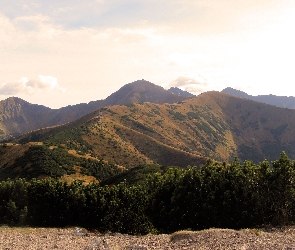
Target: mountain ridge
212 125
279 101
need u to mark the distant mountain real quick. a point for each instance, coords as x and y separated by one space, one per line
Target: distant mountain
179 92
18 116
279 101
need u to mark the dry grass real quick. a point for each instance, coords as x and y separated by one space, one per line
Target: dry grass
86 179
181 235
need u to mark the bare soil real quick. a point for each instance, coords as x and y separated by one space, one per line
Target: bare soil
76 238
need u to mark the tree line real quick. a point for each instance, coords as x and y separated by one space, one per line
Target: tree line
234 195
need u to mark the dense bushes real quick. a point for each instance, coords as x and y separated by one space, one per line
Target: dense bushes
217 195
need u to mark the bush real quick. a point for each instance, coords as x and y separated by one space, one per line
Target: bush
223 195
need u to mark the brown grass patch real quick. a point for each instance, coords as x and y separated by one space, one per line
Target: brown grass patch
181 235
86 179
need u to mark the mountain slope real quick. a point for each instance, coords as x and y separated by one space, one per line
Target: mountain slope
279 101
212 125
17 115
260 131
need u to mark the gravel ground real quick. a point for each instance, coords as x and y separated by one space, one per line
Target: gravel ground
74 238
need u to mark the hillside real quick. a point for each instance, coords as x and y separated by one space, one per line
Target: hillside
259 131
279 101
37 160
17 115
212 125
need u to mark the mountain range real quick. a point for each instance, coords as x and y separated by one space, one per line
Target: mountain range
18 116
143 124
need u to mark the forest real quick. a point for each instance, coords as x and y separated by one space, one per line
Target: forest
221 195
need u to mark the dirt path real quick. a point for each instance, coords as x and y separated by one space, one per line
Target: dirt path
73 238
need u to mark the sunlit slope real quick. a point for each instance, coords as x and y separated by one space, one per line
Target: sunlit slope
180 134
170 134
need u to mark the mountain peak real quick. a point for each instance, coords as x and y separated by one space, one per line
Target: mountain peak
140 85
142 81
14 99
141 91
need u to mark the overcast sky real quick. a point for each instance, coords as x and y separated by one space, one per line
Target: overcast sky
59 53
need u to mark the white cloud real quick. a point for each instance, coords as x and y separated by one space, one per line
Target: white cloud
31 86
193 85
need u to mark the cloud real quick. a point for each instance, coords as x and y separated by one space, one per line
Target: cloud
82 44
35 18
195 85
30 23
31 86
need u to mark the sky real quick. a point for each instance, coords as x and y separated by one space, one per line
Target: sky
58 53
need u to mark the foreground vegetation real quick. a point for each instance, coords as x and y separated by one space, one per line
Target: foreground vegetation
231 195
